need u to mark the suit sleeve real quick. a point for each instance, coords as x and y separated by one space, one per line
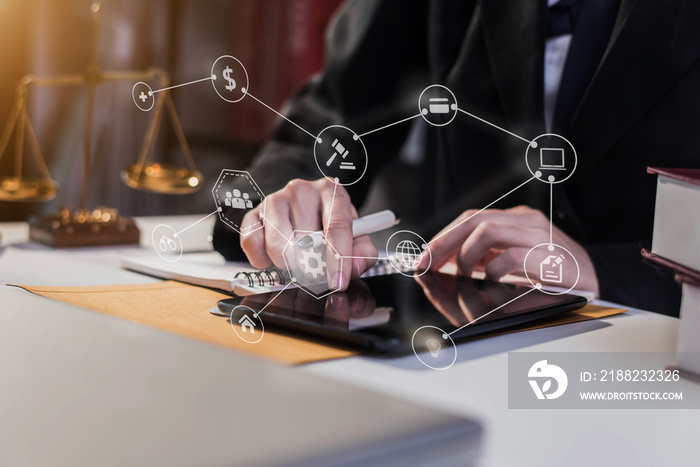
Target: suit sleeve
376 65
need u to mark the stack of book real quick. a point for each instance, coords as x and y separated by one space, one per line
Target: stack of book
676 244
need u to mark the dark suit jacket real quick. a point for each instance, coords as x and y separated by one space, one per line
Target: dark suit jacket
640 108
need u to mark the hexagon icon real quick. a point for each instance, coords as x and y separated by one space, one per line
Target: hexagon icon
307 256
235 194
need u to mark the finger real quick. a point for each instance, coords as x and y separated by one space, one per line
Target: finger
278 227
451 237
447 241
510 261
337 222
448 266
488 235
253 242
484 260
304 205
364 255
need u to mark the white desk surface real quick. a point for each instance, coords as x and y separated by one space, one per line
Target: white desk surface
475 386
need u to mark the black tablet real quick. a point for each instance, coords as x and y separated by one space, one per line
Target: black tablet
384 312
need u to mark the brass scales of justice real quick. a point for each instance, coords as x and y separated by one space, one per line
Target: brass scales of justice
101 226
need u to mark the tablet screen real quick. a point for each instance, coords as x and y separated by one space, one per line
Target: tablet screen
385 311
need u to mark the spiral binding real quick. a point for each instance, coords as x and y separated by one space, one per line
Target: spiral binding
272 276
275 276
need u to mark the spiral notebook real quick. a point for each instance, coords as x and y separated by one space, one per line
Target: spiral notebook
211 270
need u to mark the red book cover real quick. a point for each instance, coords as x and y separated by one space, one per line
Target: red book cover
691 176
688 279
685 273
281 43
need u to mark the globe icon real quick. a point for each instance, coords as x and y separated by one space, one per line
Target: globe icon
408 254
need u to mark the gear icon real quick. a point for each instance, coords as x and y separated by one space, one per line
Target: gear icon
313 256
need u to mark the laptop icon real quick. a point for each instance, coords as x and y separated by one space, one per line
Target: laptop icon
552 159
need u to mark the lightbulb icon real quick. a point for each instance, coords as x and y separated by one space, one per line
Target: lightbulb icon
443 351
434 347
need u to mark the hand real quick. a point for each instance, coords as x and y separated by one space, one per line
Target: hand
309 205
496 241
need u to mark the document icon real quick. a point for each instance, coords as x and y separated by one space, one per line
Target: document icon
551 269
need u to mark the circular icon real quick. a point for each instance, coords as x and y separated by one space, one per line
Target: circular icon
408 254
143 96
437 105
405 250
229 78
551 265
340 155
167 243
434 348
247 324
551 158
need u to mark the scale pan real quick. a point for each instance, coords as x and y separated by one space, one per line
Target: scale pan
162 178
27 189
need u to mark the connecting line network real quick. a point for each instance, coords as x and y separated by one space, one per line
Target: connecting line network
341 157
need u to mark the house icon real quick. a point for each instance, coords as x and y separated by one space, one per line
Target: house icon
248 323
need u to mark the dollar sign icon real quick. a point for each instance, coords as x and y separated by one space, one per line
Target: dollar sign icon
231 82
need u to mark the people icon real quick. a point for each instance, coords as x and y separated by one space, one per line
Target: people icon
237 201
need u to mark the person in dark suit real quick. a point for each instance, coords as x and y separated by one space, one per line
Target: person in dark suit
617 78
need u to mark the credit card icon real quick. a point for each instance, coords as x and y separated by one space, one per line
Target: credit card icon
439 105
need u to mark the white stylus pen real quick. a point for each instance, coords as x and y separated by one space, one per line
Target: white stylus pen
361 226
